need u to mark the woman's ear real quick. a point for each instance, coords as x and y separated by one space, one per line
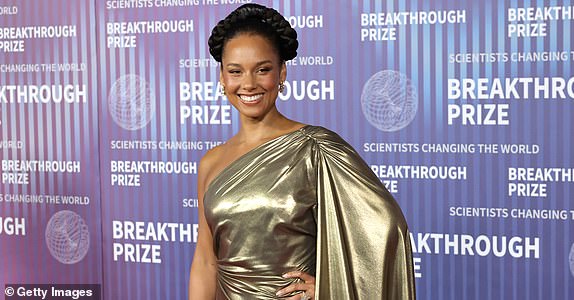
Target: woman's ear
283 73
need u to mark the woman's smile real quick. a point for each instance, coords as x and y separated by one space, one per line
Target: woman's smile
250 98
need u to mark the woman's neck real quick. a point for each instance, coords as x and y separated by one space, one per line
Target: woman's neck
272 125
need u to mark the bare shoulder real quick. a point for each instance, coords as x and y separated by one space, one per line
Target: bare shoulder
211 155
209 159
210 163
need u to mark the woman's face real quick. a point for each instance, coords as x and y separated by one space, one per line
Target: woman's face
251 72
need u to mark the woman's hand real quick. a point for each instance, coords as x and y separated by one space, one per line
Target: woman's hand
307 286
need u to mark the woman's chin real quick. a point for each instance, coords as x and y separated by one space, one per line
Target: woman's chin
254 112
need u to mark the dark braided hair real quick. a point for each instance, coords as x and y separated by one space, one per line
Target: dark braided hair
257 19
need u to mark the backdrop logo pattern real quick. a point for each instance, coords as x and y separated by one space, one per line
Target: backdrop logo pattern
452 182
389 100
67 237
131 102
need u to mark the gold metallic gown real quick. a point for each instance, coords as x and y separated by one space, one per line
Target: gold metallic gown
307 201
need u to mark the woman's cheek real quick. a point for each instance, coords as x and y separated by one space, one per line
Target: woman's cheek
268 82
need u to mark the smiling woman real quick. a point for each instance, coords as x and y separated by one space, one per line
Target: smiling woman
251 75
288 210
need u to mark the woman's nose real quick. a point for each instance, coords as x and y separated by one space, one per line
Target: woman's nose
248 82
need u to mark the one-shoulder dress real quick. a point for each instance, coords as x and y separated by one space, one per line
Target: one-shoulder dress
307 201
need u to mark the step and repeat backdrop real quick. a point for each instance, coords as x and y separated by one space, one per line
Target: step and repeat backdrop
50 212
462 109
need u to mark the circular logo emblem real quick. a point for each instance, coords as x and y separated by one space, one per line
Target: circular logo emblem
571 259
389 100
130 102
67 237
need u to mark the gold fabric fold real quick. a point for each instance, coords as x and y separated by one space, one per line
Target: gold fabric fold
363 243
307 201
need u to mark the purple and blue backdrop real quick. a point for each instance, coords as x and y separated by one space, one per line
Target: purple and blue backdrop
461 108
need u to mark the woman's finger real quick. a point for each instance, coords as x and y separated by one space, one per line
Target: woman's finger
300 274
299 297
295 287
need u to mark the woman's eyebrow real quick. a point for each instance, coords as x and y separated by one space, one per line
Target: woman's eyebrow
239 65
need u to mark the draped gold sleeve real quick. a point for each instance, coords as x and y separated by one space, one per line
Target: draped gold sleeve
363 245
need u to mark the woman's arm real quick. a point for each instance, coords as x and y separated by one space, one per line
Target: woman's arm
202 277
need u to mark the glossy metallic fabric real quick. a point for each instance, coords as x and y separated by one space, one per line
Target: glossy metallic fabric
306 201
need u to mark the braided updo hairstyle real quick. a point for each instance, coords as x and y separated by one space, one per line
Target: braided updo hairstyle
257 19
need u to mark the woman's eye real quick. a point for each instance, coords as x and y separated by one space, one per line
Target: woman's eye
263 70
234 72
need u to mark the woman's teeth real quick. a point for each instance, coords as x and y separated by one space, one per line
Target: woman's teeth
250 98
